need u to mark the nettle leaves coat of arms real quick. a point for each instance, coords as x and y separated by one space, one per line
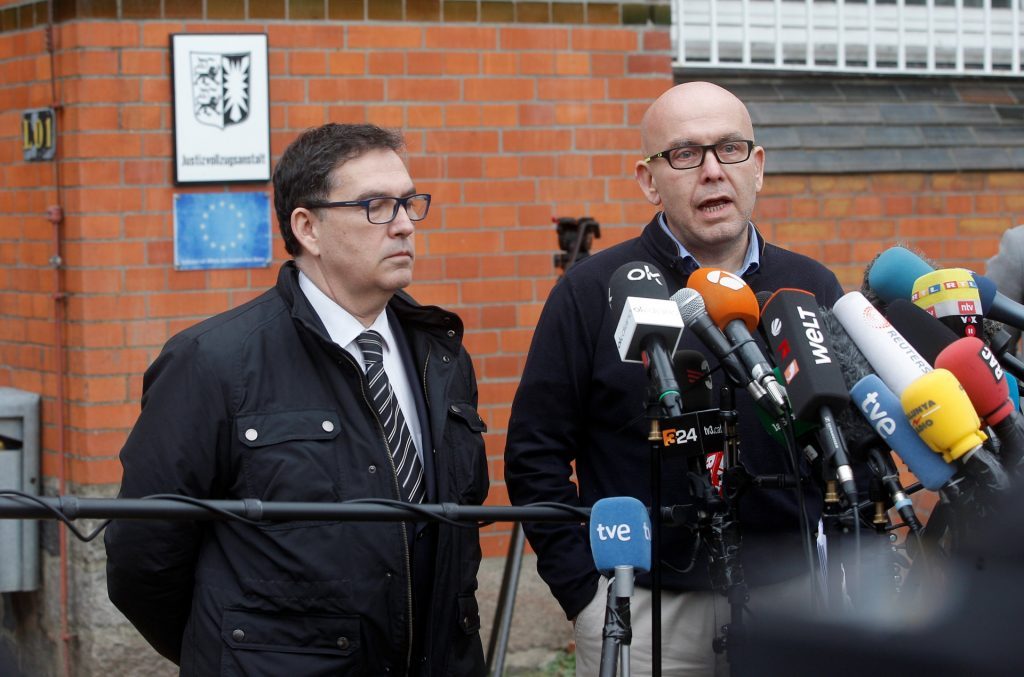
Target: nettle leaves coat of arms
220 88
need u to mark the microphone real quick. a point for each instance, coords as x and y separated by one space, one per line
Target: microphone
889 354
956 432
814 382
620 541
878 409
733 307
996 305
892 276
691 368
649 326
976 367
1014 387
884 413
951 295
928 335
620 535
893 273
695 316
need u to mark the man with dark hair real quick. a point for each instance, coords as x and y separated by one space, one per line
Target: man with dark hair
580 408
334 385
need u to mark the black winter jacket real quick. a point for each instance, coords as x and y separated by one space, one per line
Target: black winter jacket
578 402
259 403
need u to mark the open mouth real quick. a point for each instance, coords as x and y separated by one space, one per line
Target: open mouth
714 206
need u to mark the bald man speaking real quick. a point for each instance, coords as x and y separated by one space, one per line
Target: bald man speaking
579 404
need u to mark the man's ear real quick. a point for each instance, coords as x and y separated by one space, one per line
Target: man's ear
306 229
759 165
645 178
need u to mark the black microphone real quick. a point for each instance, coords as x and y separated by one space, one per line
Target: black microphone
649 326
814 381
996 305
691 369
929 335
696 318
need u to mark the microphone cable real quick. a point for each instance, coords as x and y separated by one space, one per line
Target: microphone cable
805 521
57 513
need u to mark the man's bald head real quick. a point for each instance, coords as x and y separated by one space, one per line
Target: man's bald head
707 206
689 101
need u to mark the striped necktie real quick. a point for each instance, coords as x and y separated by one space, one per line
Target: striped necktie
403 452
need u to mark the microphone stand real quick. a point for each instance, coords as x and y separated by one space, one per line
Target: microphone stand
723 535
617 634
654 437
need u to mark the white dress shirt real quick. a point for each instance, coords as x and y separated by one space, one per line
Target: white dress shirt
343 329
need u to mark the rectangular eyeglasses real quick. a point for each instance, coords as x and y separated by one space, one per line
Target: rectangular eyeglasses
383 210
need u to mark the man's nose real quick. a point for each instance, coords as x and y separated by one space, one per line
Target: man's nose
402 225
711 169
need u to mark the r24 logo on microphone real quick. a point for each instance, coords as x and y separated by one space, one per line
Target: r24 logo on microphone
645 273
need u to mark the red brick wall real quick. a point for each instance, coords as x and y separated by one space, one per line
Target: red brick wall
508 125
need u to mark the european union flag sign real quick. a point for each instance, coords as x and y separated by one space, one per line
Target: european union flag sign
221 230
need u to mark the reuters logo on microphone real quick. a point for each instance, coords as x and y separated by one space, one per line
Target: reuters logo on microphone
875 319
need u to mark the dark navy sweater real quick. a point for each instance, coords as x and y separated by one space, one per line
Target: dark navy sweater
577 403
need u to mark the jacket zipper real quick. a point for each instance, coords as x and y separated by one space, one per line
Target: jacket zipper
426 393
398 493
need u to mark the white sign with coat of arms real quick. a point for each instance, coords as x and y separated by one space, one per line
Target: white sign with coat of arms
221 108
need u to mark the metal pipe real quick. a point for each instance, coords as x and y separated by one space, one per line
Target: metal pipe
502 628
55 215
360 510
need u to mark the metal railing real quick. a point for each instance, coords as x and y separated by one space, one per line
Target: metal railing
968 37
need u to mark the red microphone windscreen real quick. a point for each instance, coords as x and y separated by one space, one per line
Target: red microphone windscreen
974 365
726 297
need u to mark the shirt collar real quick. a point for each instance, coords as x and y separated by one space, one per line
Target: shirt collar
751 262
342 326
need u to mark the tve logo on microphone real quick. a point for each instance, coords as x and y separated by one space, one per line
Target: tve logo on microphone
880 419
619 532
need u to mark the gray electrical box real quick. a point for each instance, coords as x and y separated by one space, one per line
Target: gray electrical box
19 470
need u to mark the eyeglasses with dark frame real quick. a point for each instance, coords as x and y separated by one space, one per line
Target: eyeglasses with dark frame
690 156
383 210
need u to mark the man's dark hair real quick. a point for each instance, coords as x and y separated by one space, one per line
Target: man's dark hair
303 174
